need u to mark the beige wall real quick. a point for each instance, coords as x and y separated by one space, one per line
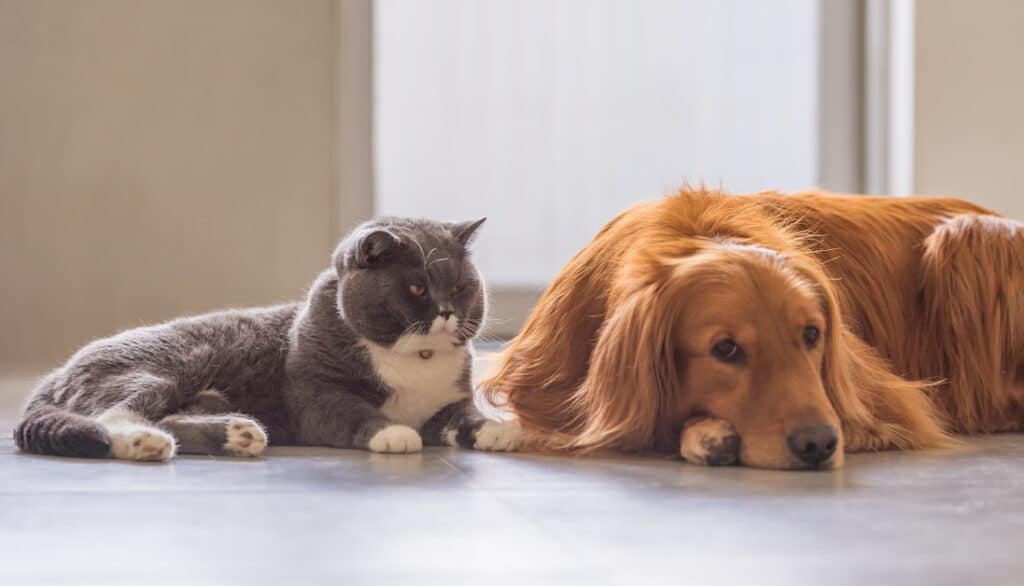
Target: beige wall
158 158
969 137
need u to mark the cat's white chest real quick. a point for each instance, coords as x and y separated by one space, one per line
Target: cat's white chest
420 386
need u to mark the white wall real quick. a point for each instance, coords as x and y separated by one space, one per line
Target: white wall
969 139
550 117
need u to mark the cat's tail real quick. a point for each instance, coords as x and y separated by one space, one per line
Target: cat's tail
50 430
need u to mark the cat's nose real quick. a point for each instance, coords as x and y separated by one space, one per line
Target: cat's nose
445 310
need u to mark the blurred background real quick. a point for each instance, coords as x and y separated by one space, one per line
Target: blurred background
160 158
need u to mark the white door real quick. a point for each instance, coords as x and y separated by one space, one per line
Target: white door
552 117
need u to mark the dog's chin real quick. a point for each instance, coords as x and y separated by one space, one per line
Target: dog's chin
794 466
830 464
791 463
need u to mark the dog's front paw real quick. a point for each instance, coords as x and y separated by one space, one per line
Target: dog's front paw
497 436
709 442
396 439
860 439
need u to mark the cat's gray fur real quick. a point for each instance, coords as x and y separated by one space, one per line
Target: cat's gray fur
302 370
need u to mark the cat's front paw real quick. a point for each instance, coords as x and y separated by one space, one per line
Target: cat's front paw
497 436
396 439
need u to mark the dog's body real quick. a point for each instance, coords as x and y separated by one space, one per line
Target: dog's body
918 303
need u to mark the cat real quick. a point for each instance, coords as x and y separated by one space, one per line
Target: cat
378 357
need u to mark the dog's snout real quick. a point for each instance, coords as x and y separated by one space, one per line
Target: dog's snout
813 444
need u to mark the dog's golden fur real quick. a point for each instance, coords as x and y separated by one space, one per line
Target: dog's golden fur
919 302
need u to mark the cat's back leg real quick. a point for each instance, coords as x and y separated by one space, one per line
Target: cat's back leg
133 437
131 421
209 425
83 411
46 428
157 419
228 434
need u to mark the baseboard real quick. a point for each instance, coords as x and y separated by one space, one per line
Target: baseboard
508 309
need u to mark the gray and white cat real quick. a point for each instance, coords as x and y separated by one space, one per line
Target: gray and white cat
379 356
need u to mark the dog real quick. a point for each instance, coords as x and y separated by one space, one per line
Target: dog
776 331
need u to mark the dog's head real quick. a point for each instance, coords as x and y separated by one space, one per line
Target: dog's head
742 333
752 340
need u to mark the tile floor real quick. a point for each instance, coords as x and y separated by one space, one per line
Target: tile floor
312 516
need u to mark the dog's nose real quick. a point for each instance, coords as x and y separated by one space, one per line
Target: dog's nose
813 444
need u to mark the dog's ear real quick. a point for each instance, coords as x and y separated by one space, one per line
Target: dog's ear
634 373
537 375
631 390
878 409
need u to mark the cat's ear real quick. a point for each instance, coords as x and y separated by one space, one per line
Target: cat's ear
465 232
366 249
375 245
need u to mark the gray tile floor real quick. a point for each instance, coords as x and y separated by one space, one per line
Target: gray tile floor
310 516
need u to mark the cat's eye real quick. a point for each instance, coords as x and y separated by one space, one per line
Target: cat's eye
458 289
417 290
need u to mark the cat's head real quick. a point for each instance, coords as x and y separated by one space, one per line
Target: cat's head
411 283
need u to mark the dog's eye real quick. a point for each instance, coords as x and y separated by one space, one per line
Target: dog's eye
416 290
811 336
727 350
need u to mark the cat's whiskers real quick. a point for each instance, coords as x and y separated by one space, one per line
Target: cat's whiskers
422 253
418 327
426 258
484 323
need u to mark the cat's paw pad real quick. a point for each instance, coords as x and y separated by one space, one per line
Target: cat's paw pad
497 436
245 438
451 438
142 443
396 439
710 442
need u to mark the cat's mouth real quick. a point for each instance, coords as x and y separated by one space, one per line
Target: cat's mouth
444 324
439 341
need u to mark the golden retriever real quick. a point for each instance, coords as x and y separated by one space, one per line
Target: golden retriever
776 330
